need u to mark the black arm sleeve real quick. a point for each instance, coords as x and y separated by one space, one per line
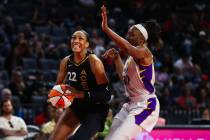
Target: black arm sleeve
101 95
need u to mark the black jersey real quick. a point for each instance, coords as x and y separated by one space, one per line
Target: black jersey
80 75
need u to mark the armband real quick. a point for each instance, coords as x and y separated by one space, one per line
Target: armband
102 94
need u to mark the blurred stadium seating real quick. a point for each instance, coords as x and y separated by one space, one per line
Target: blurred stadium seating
46 27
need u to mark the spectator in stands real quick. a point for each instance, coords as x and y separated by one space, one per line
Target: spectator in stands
203 100
98 42
38 51
9 26
11 127
186 100
166 100
48 127
204 118
6 94
18 86
37 86
161 122
21 51
184 66
206 114
5 45
41 117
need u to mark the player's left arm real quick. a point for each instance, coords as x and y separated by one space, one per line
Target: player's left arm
102 92
98 70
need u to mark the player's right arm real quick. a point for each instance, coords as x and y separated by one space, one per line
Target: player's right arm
114 55
62 71
136 52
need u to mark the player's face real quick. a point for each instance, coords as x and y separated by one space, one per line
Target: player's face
7 107
79 41
135 37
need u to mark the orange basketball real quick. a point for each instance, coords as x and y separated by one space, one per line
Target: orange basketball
60 96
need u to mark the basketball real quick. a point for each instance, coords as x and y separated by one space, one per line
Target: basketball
60 96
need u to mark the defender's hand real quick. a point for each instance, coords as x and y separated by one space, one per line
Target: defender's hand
104 24
111 53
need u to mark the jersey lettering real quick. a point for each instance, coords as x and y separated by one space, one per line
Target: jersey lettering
83 79
83 72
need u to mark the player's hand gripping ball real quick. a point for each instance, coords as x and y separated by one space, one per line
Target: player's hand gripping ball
61 96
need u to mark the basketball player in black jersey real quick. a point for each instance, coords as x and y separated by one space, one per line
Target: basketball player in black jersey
86 75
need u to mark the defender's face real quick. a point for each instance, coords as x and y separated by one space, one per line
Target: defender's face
135 37
79 41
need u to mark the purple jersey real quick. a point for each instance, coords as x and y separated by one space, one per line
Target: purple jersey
139 79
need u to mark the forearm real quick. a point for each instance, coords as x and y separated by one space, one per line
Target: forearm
121 42
5 132
20 133
119 66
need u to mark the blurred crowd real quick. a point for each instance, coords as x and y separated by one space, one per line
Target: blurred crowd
35 34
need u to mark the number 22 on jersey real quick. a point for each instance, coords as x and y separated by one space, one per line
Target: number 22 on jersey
72 76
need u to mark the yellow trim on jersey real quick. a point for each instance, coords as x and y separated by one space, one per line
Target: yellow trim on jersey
142 70
145 65
141 77
77 64
148 102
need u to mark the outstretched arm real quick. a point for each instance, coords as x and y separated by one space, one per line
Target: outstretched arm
121 42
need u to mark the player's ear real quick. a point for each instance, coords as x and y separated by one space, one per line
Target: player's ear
87 44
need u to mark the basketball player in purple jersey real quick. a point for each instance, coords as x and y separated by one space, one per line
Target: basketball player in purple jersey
141 113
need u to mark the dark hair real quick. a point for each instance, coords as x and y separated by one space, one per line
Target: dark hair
4 101
86 34
153 30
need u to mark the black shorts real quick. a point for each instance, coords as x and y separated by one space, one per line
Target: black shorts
83 108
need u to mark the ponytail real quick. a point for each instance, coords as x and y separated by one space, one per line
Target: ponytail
153 29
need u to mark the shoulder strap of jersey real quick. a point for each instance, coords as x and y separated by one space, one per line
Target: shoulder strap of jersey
70 58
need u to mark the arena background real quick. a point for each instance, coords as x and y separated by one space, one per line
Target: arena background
34 37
